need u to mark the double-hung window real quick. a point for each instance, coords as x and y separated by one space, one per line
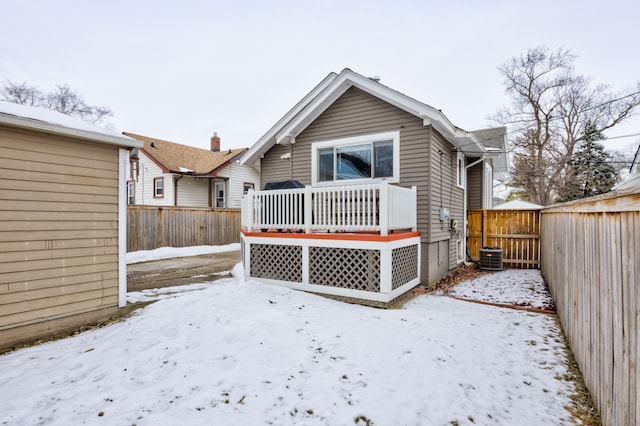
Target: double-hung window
158 187
131 192
357 158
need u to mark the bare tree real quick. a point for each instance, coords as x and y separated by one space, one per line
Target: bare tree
63 99
550 107
21 94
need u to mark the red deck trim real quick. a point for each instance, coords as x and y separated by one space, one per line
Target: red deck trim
344 236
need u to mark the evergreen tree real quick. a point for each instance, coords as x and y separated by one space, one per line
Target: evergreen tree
590 170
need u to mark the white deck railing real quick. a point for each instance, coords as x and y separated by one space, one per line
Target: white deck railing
376 207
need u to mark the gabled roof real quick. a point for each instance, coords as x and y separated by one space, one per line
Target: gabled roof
335 85
495 140
183 159
49 121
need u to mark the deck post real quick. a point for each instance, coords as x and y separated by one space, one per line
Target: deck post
384 208
250 213
308 206
414 208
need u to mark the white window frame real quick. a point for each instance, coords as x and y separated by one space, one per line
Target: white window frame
156 193
394 136
487 193
460 170
221 184
131 192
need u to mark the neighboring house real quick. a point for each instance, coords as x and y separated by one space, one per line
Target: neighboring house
63 234
482 173
163 173
632 182
351 135
518 205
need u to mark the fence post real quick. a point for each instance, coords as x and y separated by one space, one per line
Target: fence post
308 206
384 208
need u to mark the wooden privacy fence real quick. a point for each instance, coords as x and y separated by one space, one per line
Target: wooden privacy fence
516 232
591 262
151 227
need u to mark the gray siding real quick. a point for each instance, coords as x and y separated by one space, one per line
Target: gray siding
475 180
273 168
357 112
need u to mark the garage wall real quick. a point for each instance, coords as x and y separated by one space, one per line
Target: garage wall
58 233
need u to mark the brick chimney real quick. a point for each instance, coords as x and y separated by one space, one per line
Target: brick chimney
215 142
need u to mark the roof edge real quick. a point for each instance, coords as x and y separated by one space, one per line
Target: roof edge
60 130
258 149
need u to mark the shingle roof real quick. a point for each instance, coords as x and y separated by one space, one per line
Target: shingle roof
491 138
177 158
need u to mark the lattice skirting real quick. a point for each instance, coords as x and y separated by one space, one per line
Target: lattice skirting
404 265
375 271
276 262
355 269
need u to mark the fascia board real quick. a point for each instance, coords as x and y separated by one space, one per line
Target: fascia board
153 159
268 139
344 81
55 129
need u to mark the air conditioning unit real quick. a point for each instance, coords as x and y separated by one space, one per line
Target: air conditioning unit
490 259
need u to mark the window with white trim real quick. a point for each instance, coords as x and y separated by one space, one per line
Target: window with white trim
358 158
131 192
158 187
460 170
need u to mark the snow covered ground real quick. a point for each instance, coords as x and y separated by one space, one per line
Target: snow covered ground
510 286
242 353
170 252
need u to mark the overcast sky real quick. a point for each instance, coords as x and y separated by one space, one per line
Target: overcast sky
182 70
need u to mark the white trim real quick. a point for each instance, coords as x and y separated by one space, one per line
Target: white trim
57 129
461 170
122 227
268 139
355 140
487 186
330 89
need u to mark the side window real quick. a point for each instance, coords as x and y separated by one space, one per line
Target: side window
460 170
247 186
158 187
131 192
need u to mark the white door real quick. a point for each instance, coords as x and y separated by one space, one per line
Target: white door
219 193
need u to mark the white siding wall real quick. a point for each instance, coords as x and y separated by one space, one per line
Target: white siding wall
193 192
144 186
237 176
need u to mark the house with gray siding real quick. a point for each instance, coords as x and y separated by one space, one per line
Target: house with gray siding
383 171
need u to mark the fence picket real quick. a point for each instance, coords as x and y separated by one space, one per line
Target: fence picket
150 227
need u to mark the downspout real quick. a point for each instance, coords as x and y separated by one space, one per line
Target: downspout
175 190
464 209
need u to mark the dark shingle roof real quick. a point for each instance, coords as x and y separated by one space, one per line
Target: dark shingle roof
491 138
